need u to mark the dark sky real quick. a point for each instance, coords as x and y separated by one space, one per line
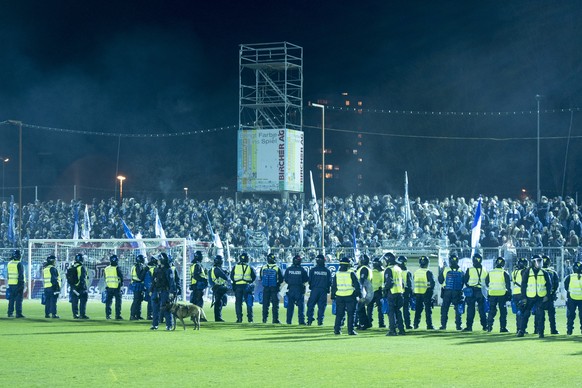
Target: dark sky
152 67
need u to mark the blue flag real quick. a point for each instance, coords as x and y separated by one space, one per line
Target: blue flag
11 236
129 234
476 228
76 227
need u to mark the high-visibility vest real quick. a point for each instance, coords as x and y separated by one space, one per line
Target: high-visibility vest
536 284
421 281
134 276
516 277
575 286
242 274
397 280
377 280
497 282
216 280
192 278
13 272
46 274
111 279
476 276
370 276
344 283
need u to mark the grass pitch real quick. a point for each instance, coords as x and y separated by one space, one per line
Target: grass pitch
47 352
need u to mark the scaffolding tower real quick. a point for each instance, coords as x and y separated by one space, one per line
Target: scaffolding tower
270 86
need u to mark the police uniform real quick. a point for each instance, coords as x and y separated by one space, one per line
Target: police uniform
113 282
243 277
377 286
163 291
319 286
573 285
536 286
219 289
498 288
148 282
52 289
517 298
79 293
296 277
451 280
423 290
198 283
474 279
16 283
138 273
553 296
406 295
345 289
394 289
364 274
271 279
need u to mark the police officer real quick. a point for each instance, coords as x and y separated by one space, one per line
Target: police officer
407 294
474 280
573 286
243 277
365 276
517 298
148 281
79 291
451 280
271 279
394 290
16 284
550 305
498 284
345 289
198 280
219 281
536 285
177 281
319 285
377 286
113 282
52 287
163 292
423 290
296 277
138 274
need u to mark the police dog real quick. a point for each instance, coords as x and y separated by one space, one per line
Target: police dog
185 310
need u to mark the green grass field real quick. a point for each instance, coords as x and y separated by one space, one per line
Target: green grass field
46 352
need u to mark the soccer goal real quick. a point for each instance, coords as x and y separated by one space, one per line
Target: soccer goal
96 253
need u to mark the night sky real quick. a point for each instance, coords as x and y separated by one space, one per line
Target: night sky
154 67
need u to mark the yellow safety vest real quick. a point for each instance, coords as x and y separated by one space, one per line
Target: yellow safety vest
344 283
111 279
46 273
516 276
13 272
476 276
192 279
370 276
575 287
536 284
216 280
134 276
241 275
377 280
497 282
421 281
398 286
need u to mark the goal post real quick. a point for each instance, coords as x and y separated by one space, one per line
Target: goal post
96 254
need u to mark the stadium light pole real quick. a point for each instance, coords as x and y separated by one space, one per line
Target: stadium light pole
322 107
121 179
4 161
539 192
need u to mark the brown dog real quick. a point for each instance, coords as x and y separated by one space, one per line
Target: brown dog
185 310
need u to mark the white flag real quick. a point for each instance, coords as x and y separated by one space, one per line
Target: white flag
218 245
86 232
140 244
76 228
315 205
301 229
160 230
476 228
407 213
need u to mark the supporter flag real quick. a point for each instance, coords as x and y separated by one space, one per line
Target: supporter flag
407 213
140 244
159 230
11 223
86 232
218 245
76 227
476 228
356 253
128 233
301 229
315 206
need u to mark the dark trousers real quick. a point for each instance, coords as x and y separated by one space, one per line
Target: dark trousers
478 299
197 297
406 307
79 303
551 308
113 293
494 303
50 302
242 292
15 301
295 297
395 320
159 301
376 302
344 304
454 298
571 306
219 294
270 298
137 300
317 297
540 314
520 310
423 302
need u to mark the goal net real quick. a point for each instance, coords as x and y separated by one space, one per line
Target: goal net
96 253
